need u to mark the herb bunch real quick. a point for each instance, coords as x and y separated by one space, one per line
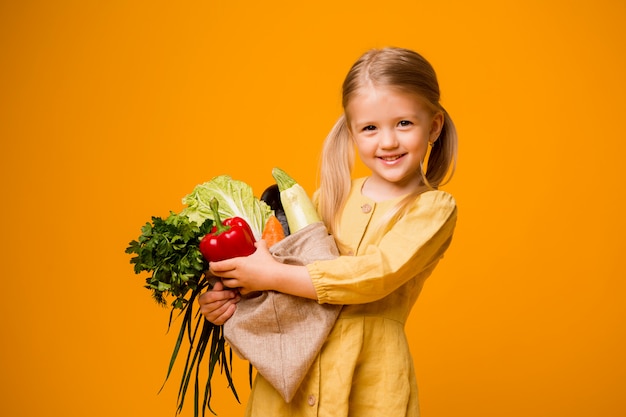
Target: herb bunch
167 250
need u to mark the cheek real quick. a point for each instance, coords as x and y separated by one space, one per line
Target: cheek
419 146
363 146
417 141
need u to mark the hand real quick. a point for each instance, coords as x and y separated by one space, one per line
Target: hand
248 273
218 305
261 272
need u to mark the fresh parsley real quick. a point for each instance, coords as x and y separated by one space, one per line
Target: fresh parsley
168 250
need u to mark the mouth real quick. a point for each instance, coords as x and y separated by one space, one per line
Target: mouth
390 158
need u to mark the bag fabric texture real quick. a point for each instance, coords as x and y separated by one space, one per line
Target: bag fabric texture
281 334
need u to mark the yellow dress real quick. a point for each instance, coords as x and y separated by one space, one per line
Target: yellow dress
365 367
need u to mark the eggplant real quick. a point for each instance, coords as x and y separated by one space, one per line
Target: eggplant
271 197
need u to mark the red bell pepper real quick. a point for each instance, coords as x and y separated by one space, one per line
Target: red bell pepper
228 239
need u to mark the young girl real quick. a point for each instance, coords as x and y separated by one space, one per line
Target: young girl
391 227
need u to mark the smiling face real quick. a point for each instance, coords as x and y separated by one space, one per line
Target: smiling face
391 130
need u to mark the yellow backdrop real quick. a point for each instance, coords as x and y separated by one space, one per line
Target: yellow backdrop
110 112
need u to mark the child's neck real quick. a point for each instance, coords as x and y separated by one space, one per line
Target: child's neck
384 192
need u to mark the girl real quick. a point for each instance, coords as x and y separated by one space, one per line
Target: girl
391 227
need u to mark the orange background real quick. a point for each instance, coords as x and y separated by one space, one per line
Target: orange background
110 112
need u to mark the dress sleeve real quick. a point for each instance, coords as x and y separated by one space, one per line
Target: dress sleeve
413 246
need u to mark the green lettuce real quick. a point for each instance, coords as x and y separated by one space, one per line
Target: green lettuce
235 198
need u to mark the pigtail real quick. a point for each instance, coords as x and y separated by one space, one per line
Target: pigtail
442 159
335 174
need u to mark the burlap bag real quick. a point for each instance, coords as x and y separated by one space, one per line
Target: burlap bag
281 334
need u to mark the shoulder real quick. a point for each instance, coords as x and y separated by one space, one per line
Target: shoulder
435 204
437 198
432 213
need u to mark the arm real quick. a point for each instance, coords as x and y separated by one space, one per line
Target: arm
411 248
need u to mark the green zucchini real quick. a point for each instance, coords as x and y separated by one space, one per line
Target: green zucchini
299 208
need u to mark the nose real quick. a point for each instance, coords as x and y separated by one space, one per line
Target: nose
388 139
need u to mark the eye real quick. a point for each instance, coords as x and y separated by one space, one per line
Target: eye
405 123
369 128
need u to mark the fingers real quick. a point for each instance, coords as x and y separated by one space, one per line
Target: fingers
231 283
218 268
216 295
218 305
218 286
222 314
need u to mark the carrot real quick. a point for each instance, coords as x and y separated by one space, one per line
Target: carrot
273 231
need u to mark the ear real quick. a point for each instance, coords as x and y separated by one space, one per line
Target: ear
436 126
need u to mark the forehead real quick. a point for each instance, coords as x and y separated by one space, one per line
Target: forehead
371 101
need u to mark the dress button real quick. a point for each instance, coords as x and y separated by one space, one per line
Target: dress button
311 400
366 208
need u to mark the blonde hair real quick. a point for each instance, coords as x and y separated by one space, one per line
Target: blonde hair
409 72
